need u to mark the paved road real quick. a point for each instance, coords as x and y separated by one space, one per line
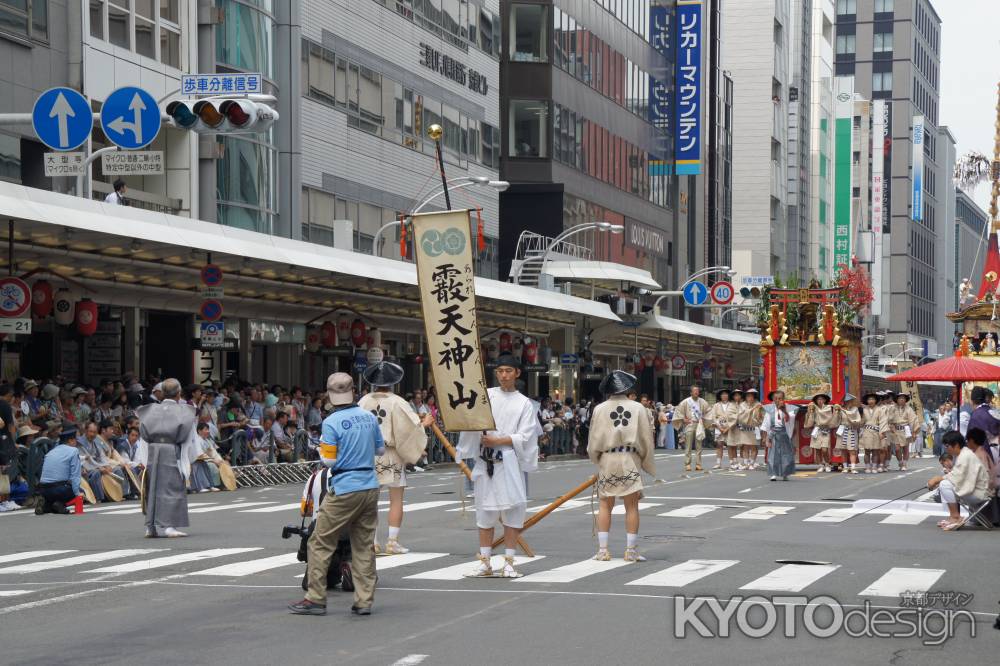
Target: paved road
91 588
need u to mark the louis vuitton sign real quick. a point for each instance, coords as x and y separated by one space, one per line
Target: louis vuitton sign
646 238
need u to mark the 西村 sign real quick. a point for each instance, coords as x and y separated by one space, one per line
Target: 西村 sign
130 118
722 293
221 84
695 293
213 334
65 164
687 84
62 119
15 297
132 163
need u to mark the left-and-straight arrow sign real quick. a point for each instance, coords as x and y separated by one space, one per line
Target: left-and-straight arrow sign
130 118
62 118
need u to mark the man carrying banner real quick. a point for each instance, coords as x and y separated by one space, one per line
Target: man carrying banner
405 442
502 456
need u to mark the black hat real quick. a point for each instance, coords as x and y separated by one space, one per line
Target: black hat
870 394
718 394
822 395
383 373
68 431
617 383
509 360
735 392
752 391
902 395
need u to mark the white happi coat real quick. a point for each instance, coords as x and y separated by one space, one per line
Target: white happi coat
515 417
405 439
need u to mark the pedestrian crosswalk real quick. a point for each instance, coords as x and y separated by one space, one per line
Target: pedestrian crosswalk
243 564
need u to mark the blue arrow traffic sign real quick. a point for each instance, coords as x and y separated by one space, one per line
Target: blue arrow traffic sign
695 293
62 118
130 118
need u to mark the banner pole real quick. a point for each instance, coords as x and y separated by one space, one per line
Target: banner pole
555 505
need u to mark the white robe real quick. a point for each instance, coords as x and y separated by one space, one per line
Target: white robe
516 417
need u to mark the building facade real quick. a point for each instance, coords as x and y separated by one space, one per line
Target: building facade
891 48
797 240
970 239
761 34
821 144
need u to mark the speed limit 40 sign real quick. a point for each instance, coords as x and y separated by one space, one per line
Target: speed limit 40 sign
722 293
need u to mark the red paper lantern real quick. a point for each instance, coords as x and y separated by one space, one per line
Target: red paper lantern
659 363
506 342
359 335
86 317
328 334
531 352
41 299
313 339
343 328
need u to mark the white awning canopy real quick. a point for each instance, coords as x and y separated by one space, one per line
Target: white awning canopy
603 272
700 330
125 247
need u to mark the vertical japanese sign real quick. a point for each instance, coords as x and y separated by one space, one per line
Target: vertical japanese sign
687 151
918 169
878 200
660 114
446 279
843 172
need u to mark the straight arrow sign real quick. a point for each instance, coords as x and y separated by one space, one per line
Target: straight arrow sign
61 110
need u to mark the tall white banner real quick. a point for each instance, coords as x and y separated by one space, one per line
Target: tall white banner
878 212
918 169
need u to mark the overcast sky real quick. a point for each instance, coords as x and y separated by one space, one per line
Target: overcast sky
970 71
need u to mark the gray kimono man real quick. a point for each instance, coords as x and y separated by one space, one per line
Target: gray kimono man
167 428
689 422
778 429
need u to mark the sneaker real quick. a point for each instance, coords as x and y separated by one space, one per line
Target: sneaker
484 568
603 555
172 533
632 555
392 547
718 465
774 478
150 534
205 490
361 610
415 469
306 607
346 578
508 570
902 468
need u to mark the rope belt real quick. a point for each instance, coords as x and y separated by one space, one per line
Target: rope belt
622 449
900 427
491 457
872 428
824 431
745 428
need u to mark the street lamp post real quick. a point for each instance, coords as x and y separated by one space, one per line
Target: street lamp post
691 278
579 228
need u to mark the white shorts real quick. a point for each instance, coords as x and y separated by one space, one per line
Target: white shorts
512 517
398 484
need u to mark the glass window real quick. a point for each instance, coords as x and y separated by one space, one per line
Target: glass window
118 27
432 116
486 150
40 19
244 38
571 45
97 19
452 139
528 121
341 82
528 33
559 46
170 48
883 6
321 78
145 38
473 20
883 42
353 73
14 16
485 31
846 43
392 110
10 158
143 8
847 7
169 10
882 81
450 16
370 100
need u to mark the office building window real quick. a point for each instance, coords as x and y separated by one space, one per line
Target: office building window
882 6
883 42
847 6
528 33
29 18
529 120
846 44
150 28
882 82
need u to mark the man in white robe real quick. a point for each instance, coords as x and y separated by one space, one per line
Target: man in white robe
502 457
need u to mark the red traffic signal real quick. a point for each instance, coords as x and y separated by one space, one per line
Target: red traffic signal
221 115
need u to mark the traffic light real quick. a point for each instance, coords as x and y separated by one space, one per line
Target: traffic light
230 116
747 292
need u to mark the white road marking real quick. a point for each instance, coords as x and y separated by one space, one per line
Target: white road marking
32 554
224 507
273 509
904 518
138 509
420 506
619 509
570 572
898 580
831 516
13 593
251 566
684 573
764 512
393 561
79 559
143 565
569 504
459 571
692 511
791 577
741 499
410 660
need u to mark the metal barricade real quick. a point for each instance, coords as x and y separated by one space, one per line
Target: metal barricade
273 474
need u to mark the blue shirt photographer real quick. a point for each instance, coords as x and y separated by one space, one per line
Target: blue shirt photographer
358 439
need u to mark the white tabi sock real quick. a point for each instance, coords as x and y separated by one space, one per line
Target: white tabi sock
485 551
630 540
602 540
509 552
393 533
